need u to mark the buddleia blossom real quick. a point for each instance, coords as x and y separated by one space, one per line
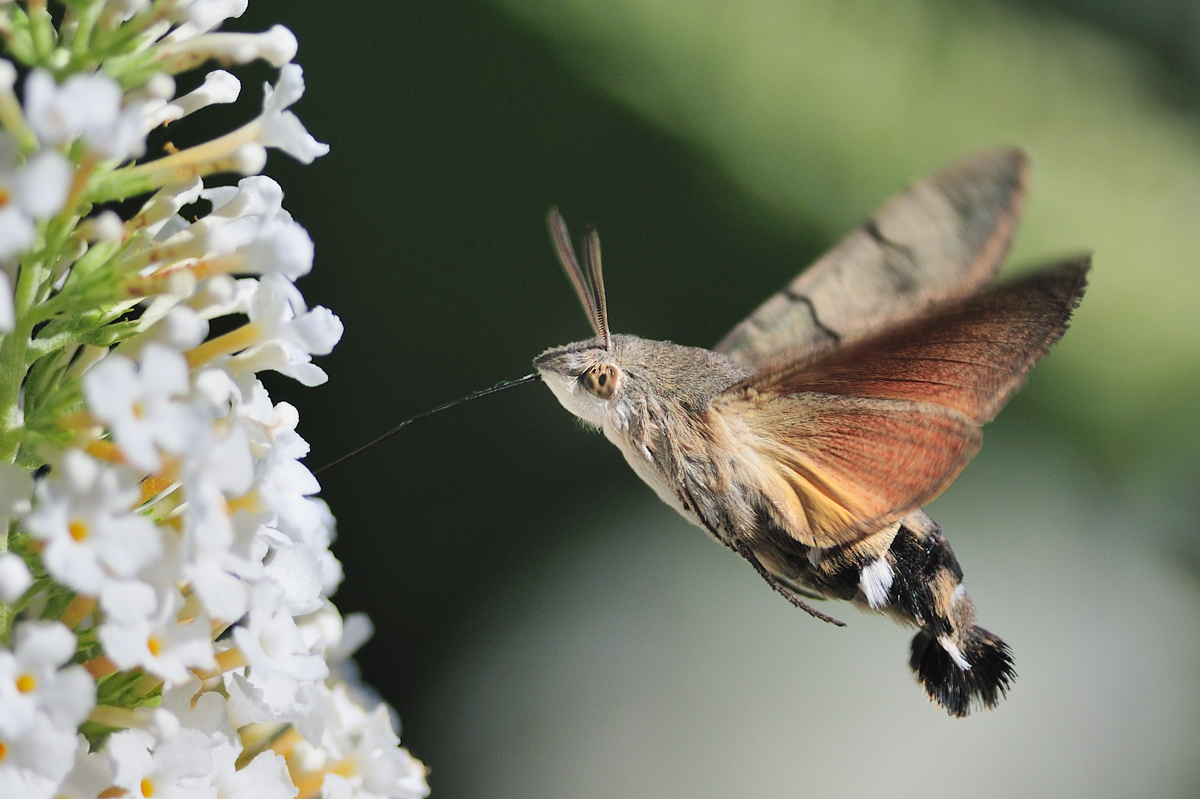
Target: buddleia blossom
167 627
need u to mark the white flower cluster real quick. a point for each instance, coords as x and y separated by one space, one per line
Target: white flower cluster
165 577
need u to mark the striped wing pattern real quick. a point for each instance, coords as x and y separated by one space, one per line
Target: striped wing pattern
937 242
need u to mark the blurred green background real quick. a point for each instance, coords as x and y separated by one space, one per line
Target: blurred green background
544 629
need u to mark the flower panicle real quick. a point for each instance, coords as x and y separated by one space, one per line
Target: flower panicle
165 574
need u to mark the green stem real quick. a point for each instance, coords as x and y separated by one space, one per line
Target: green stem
107 43
12 360
218 155
17 38
41 26
83 37
7 612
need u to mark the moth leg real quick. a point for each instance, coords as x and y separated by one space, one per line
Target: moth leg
800 588
743 549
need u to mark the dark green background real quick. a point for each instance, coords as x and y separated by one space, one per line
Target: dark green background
453 129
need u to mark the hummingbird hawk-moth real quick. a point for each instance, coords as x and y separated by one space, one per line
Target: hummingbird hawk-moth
808 439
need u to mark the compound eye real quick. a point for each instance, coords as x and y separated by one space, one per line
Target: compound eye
601 380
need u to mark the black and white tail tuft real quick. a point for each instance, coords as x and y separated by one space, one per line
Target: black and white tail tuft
983 683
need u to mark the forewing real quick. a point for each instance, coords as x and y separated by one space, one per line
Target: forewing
882 427
935 243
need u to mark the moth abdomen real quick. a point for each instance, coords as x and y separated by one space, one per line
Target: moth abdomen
958 663
908 571
958 689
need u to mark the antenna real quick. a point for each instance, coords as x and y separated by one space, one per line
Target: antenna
588 285
533 378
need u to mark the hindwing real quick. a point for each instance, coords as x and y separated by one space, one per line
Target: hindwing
855 441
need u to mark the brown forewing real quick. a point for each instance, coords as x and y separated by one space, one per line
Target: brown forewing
937 242
880 428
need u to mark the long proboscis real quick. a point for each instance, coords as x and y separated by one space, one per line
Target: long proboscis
507 384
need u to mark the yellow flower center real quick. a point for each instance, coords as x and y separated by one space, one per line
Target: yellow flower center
26 683
5 196
147 788
3 751
155 646
78 530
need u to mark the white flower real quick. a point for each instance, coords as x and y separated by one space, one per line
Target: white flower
221 551
208 14
221 548
87 106
282 675
180 328
272 644
289 333
15 577
275 700
285 486
233 533
222 295
179 767
105 226
159 217
201 16
201 710
83 104
255 199
83 515
90 776
41 186
28 192
222 456
141 629
264 777
373 762
32 680
278 247
219 87
280 127
325 631
145 406
249 223
310 524
296 571
36 761
276 46
265 423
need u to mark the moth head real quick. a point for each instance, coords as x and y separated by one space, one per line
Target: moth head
586 378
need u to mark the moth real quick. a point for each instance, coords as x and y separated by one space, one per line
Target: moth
808 439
